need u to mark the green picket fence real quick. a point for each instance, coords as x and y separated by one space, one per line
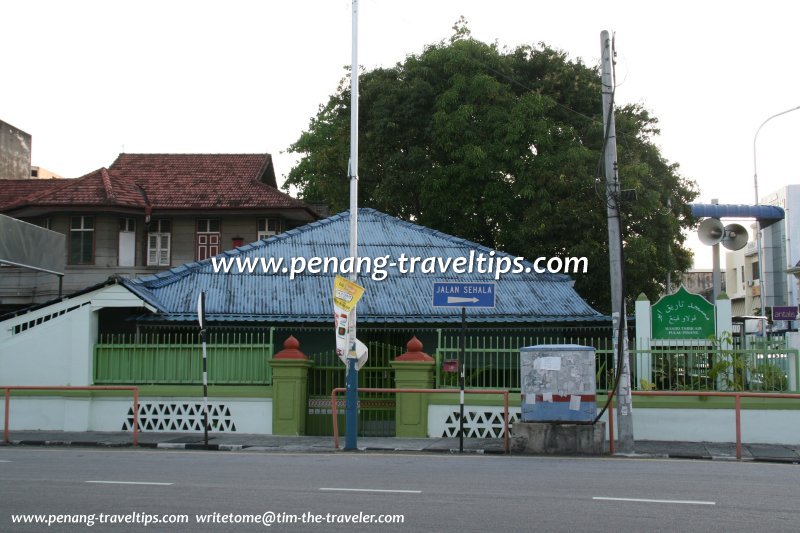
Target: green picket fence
177 359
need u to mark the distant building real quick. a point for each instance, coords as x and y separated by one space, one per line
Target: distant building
15 153
44 174
781 251
147 213
696 281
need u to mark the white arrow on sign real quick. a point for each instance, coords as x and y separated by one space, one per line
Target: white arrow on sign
460 300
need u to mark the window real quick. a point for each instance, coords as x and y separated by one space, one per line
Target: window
81 240
127 224
756 273
742 274
268 227
158 242
207 238
43 223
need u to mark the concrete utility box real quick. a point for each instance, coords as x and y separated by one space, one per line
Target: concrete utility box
558 383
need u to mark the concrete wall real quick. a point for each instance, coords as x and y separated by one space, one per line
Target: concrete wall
54 345
56 352
15 153
56 413
694 425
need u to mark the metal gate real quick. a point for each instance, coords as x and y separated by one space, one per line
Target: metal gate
376 411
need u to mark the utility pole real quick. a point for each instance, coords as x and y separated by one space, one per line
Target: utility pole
624 443
351 398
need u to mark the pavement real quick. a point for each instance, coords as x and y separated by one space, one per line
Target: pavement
313 444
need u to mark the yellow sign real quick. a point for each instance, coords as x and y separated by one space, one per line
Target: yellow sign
346 293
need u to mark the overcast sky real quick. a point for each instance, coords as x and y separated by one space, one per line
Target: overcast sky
90 79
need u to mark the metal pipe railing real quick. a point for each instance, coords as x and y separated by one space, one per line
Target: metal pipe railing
135 391
737 396
504 393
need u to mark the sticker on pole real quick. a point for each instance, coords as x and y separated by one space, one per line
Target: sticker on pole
346 293
465 294
345 297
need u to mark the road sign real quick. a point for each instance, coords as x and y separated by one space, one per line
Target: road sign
466 294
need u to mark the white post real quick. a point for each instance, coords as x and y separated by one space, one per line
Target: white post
351 416
644 333
793 343
724 328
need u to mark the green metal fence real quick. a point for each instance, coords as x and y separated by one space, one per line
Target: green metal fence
177 359
769 368
491 361
376 410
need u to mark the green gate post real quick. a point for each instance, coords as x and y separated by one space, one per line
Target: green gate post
412 370
289 389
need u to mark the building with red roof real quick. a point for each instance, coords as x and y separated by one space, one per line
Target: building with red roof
147 213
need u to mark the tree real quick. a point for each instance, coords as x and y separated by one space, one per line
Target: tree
503 148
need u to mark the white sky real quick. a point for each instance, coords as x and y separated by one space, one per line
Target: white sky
89 79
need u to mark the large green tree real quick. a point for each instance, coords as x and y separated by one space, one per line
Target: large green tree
503 147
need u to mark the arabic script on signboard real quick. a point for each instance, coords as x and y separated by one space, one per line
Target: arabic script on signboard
682 315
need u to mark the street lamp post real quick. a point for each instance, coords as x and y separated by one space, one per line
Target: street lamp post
761 266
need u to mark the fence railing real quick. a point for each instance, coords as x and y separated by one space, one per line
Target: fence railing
376 413
492 361
737 396
699 368
233 359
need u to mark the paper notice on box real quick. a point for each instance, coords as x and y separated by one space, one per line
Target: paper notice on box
547 397
547 363
530 399
575 402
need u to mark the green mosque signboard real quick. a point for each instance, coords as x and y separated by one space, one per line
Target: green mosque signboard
683 315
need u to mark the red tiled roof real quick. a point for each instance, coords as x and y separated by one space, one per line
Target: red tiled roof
166 181
95 189
206 181
12 191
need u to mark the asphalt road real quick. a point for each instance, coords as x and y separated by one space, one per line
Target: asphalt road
432 492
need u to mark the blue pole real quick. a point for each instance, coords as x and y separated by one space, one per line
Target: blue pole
351 401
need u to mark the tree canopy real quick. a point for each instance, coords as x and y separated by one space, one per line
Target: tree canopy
503 147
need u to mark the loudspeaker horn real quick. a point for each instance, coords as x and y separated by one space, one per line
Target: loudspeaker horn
735 237
711 231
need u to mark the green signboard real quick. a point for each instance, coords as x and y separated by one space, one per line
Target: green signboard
683 315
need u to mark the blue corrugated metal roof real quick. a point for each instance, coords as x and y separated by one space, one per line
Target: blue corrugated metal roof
766 214
400 298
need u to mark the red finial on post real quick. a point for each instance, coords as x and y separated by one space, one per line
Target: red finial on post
290 350
414 353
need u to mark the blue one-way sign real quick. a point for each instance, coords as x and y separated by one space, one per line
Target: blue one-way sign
466 294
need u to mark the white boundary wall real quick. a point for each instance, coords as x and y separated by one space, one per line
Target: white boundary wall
54 345
52 413
692 425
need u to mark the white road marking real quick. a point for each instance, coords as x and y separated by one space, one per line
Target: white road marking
643 500
129 482
372 490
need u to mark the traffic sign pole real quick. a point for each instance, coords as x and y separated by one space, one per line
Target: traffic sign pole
461 364
463 295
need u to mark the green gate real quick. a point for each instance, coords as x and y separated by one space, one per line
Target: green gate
376 410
